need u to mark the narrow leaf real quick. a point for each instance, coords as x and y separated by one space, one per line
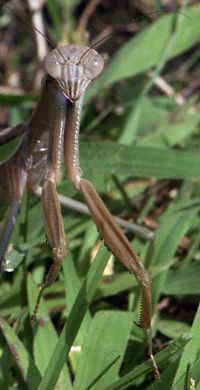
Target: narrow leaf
189 356
147 367
74 321
27 368
45 336
144 51
110 344
102 158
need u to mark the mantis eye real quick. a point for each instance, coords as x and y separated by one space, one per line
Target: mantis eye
93 65
52 66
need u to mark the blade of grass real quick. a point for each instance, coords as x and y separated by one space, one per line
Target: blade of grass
147 367
167 377
144 51
56 19
45 336
172 134
175 223
135 162
74 321
131 128
27 368
189 356
104 337
72 288
7 150
183 280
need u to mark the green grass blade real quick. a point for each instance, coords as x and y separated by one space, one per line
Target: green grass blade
7 150
27 368
147 367
132 125
45 336
174 225
183 281
56 19
135 161
74 321
189 356
144 51
72 288
170 135
103 336
167 377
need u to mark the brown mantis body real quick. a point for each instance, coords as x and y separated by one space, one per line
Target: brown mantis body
52 130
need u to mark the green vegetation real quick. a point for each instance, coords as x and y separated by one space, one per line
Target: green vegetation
140 145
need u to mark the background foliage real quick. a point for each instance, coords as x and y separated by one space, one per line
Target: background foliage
140 147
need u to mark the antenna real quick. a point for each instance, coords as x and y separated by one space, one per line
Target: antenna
30 24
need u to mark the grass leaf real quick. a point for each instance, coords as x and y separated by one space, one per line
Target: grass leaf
110 346
74 321
27 368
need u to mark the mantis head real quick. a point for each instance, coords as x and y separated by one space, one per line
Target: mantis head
73 67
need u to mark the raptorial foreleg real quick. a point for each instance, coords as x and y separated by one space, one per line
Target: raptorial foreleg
54 229
53 223
111 233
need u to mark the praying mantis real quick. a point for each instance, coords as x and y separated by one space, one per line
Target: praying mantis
53 131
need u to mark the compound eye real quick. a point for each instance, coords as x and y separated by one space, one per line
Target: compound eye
94 66
52 66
